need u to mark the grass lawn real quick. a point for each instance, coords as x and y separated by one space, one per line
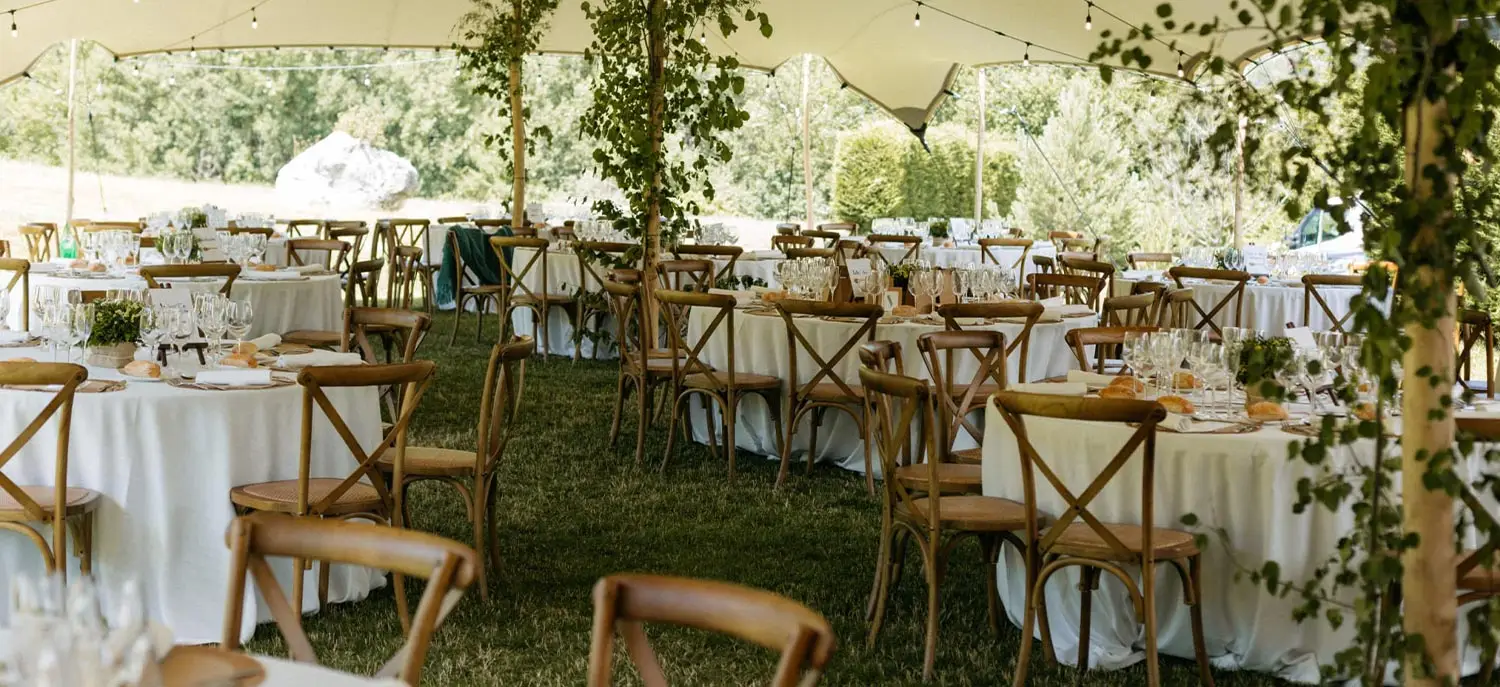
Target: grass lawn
573 510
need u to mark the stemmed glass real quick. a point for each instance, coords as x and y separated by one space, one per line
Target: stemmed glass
1135 353
152 329
181 327
80 327
239 316
208 309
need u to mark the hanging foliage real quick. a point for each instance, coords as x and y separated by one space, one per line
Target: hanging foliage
1419 80
662 104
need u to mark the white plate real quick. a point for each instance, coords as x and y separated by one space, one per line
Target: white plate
146 380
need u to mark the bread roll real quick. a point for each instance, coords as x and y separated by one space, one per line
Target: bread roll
1177 404
239 360
905 311
245 348
1185 380
773 296
1364 410
1266 411
22 359
1262 280
79 264
263 268
1117 392
142 368
1135 386
98 267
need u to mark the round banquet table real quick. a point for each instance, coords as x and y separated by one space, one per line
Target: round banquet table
1267 308
1242 485
961 256
315 303
165 458
761 347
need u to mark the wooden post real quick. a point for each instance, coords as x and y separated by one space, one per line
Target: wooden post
72 129
517 131
656 61
979 161
1239 183
807 177
1429 599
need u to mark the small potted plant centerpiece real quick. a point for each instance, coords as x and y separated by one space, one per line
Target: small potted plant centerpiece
1262 359
117 326
938 232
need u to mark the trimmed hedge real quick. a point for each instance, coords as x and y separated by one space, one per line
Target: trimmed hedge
883 171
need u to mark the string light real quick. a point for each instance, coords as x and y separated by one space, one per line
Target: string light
13 31
1026 56
1088 18
367 80
917 20
1180 71
254 23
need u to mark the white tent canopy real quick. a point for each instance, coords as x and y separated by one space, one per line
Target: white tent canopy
873 44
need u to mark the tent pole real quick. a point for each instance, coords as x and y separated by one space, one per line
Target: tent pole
979 159
807 180
1239 183
72 128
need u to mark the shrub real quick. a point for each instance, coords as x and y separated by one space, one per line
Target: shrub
869 175
883 171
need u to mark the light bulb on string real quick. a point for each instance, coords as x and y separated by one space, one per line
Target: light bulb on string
135 69
916 20
367 80
254 23
171 79
1088 18
13 31
1026 56
1180 71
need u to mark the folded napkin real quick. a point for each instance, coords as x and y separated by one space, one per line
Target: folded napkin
11 336
267 341
1051 388
741 298
257 377
1053 313
1090 378
304 269
1055 302
762 255
1139 275
276 275
1177 423
44 267
971 321
319 358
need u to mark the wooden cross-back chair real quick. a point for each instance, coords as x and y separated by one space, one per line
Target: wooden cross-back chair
1476 327
958 397
153 274
1076 289
314 227
782 242
640 374
1079 538
729 254
1478 570
988 253
1029 313
516 294
800 253
362 493
40 238
787 229
1312 293
1057 238
257 231
332 254
1231 303
849 249
65 509
1136 260
921 507
1080 247
829 238
400 333
1088 266
1129 311
693 376
565 232
1044 264
1105 341
354 236
410 273
845 228
685 275
1174 308
448 567
623 604
360 291
473 474
826 389
912 244
882 356
467 290
407 232
594 275
20 276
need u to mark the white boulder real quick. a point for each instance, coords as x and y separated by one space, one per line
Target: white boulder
343 173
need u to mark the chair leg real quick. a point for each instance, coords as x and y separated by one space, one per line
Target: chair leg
643 417
1200 648
882 562
991 546
934 569
299 570
1088 582
484 306
671 429
614 425
786 444
894 547
1028 617
865 432
1148 598
458 319
1043 621
812 444
708 424
731 402
478 503
324 568
492 512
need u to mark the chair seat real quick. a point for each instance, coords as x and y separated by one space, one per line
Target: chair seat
1480 579
657 366
314 338
741 381
973 513
80 501
1079 540
968 456
436 462
552 299
281 496
952 478
481 289
833 393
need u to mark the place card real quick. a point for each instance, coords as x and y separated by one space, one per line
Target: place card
1257 259
890 299
161 297
1302 338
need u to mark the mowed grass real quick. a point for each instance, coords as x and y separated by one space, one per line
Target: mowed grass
573 510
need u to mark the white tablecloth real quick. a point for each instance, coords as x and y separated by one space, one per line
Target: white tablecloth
1267 308
761 348
964 255
280 306
1242 484
165 459
284 673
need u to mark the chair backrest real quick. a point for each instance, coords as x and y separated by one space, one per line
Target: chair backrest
787 228
354 236
504 385
565 232
882 356
39 237
782 242
988 253
625 306
1311 293
335 253
1029 311
453 219
1088 266
1077 289
1174 308
20 276
448 567
1232 300
830 238
685 275
1486 430
261 231
843 227
66 377
590 253
494 223
1044 264
406 270
1078 244
1129 311
798 343
957 397
625 603
849 249
413 378
295 227
513 280
730 254
1135 260
1474 327
913 246
903 422
800 253
1016 407
409 326
1103 339
687 356
136 227
227 272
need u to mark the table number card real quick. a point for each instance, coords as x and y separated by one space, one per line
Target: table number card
890 299
1257 259
1302 338
171 297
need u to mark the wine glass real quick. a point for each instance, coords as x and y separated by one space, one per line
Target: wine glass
182 327
80 327
240 315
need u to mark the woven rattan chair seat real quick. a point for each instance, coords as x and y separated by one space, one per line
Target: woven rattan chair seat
423 460
951 478
281 496
974 513
1082 541
80 501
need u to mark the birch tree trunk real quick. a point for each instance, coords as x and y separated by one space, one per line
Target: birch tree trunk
1428 586
517 129
656 60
